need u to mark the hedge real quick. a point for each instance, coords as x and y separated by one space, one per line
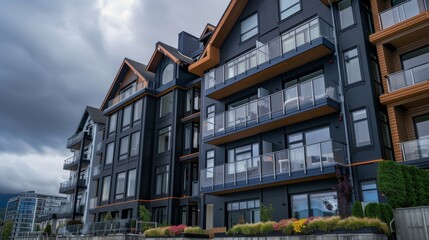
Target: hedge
357 210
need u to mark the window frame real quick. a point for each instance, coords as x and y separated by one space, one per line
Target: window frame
112 129
366 190
164 72
163 102
288 8
126 109
168 131
102 197
308 197
163 176
251 29
106 155
137 112
130 183
346 60
130 151
358 121
124 155
339 15
118 193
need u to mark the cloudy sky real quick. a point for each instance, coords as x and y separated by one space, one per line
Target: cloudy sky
56 57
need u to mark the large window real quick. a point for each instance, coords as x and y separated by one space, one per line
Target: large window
106 189
159 215
191 137
168 74
137 112
161 185
210 117
135 144
120 185
243 212
166 104
422 126
415 59
112 123
385 130
164 136
126 117
123 151
210 157
192 100
369 191
351 59
249 27
243 158
109 153
289 7
131 185
346 13
361 128
314 205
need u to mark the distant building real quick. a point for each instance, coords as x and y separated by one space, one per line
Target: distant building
24 209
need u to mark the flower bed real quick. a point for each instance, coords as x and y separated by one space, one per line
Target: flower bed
311 226
179 231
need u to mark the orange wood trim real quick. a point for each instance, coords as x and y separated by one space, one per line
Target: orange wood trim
209 27
406 95
190 117
190 155
142 200
326 2
366 162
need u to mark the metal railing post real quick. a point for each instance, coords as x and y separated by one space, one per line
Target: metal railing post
274 165
320 154
305 159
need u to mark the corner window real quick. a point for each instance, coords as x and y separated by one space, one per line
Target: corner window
126 117
289 7
135 144
361 128
120 185
131 185
161 184
137 112
123 150
164 136
166 104
112 123
168 74
249 27
109 153
346 13
351 59
106 189
369 191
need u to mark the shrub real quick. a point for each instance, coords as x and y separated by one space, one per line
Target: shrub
386 213
145 216
372 210
108 217
299 225
7 230
266 227
323 224
175 230
266 212
354 223
357 209
391 183
289 229
154 232
194 230
48 229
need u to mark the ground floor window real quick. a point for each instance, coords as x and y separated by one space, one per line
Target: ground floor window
159 215
243 212
369 191
314 205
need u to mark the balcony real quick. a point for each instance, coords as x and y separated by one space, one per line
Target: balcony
301 45
74 141
415 149
408 77
307 100
68 187
122 97
96 171
93 203
311 162
99 148
72 163
402 12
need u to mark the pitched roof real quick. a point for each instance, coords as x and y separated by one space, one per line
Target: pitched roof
141 68
171 52
96 115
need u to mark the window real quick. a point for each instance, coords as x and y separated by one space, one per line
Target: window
415 59
112 123
188 138
242 155
128 90
106 189
131 185
346 13
126 117
168 74
160 215
351 59
369 191
166 105
243 212
210 157
135 144
109 153
189 94
164 136
123 150
161 185
120 185
191 137
314 205
385 130
361 128
210 117
249 27
137 113
422 126
289 7
375 70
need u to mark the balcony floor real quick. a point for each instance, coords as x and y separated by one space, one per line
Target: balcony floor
305 54
417 94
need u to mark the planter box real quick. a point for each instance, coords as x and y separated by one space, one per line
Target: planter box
184 236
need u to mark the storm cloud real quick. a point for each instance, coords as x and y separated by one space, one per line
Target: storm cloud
56 57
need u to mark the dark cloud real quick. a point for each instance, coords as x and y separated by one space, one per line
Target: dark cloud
56 57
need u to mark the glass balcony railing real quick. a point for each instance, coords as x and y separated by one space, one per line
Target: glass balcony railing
287 42
290 100
402 12
71 160
93 203
415 149
96 171
125 95
71 184
269 167
77 137
408 77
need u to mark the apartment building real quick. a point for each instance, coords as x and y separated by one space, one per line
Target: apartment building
24 209
290 97
151 140
401 36
83 144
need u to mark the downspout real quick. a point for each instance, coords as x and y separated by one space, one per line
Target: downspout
341 93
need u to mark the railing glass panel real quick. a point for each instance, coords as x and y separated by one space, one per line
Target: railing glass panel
416 149
401 12
408 77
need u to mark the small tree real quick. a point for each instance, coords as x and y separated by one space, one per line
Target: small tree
37 228
266 212
108 217
48 229
357 210
7 230
146 217
372 210
386 213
